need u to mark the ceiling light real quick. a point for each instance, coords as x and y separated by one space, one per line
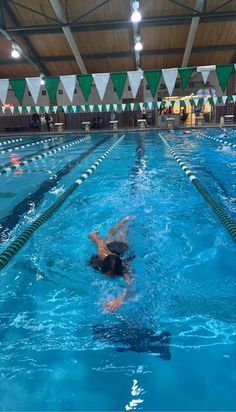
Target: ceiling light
136 16
138 46
15 54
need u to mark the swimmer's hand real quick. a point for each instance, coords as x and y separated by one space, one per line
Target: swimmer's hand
127 218
114 304
93 235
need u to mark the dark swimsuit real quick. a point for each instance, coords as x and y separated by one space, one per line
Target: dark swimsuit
117 248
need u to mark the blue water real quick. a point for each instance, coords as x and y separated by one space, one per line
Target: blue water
183 282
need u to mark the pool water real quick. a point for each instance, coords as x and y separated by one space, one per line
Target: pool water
60 350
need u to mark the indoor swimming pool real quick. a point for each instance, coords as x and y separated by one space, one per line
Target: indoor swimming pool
171 345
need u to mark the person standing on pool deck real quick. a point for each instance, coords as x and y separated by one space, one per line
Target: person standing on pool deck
108 259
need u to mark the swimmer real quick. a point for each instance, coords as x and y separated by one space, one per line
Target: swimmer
109 257
223 135
224 148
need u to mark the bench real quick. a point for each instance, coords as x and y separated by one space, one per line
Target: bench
142 123
86 126
170 122
59 127
114 124
229 118
199 120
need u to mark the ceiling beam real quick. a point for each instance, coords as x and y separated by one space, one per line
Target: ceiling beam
68 34
199 5
90 11
100 56
222 5
34 57
122 24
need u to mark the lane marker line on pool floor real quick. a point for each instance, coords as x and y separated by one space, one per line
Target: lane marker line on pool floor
44 153
215 139
16 245
229 225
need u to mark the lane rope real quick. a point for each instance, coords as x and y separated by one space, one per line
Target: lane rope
34 143
10 141
8 222
229 225
44 153
16 245
215 139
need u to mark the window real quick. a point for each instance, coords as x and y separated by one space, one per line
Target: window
75 91
29 94
177 85
147 87
44 92
60 91
191 84
129 88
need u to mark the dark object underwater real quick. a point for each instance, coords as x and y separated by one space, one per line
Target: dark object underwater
136 339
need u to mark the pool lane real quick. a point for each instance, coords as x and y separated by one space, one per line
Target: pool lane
24 160
8 222
29 149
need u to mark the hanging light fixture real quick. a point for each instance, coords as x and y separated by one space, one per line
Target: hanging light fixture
136 15
14 52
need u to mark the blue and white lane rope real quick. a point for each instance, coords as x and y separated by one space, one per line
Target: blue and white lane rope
229 225
23 146
4 142
215 139
4 170
14 247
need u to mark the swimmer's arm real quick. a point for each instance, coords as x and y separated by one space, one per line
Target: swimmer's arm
119 224
95 238
114 304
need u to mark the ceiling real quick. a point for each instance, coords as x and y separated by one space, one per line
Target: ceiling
104 35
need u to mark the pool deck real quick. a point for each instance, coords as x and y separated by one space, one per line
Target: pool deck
4 136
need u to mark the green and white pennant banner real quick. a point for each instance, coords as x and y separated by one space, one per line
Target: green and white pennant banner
234 98
37 109
224 98
135 78
20 109
205 71
68 82
4 84
28 108
64 108
132 106
74 109
54 108
101 81
34 84
46 109
169 76
150 105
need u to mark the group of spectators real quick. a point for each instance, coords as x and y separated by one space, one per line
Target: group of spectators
41 123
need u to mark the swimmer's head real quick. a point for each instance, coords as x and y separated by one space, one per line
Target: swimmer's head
95 262
112 266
